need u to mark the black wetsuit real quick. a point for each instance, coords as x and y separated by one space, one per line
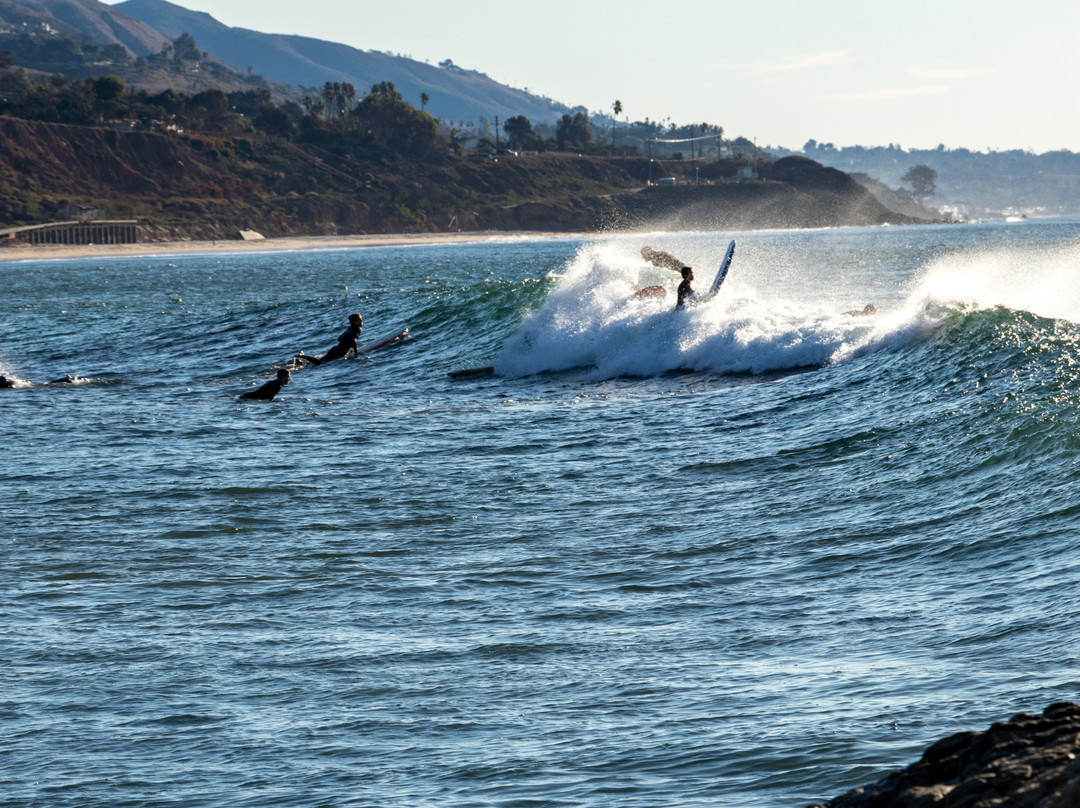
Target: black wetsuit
686 294
266 392
346 342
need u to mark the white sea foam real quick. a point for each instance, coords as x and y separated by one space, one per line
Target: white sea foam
775 312
591 319
1042 280
8 371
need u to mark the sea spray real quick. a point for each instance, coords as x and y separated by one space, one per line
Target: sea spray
1043 280
396 587
592 320
1039 280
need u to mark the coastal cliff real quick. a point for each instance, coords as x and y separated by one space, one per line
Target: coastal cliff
1029 761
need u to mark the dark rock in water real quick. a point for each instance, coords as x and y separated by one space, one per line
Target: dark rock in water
1029 761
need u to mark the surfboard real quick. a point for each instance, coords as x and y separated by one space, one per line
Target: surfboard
722 272
382 343
487 370
651 291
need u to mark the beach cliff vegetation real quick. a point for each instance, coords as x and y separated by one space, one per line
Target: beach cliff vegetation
210 163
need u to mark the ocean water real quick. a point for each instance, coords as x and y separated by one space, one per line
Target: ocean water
752 553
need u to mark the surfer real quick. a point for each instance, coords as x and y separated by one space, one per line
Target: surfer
661 259
865 311
686 291
271 388
7 382
346 343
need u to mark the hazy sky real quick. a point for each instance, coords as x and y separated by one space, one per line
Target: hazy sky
980 74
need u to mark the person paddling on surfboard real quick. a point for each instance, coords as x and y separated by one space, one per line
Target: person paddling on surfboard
271 388
7 382
686 292
346 343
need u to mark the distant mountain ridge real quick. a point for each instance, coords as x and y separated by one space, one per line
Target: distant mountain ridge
144 27
97 21
455 94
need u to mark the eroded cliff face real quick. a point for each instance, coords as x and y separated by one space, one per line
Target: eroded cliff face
126 174
71 159
211 186
1029 761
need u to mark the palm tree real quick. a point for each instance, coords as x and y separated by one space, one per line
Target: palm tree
348 96
616 110
330 92
424 98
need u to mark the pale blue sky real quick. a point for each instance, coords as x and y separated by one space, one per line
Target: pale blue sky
964 73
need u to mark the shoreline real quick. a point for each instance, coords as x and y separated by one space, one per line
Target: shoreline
47 252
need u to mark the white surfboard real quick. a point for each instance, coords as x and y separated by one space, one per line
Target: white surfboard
374 346
722 272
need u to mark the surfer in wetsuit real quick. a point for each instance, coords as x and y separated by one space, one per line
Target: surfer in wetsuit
866 311
7 382
271 388
346 343
686 292
661 259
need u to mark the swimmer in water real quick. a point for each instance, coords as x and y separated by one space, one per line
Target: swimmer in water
865 311
9 383
271 388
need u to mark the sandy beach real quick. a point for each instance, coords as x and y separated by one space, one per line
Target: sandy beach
46 252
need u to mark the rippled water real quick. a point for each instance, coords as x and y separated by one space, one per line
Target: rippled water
752 553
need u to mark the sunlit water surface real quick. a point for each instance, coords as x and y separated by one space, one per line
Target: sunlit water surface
752 553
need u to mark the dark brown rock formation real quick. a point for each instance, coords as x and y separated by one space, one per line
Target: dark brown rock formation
1029 761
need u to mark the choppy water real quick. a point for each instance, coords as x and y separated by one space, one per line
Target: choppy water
753 553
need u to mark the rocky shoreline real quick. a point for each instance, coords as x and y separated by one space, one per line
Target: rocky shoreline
1029 761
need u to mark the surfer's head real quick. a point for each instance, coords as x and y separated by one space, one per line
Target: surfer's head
356 318
646 252
687 273
283 376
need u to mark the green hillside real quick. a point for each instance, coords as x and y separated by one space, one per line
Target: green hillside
211 163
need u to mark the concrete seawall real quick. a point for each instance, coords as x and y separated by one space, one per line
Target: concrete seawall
114 231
